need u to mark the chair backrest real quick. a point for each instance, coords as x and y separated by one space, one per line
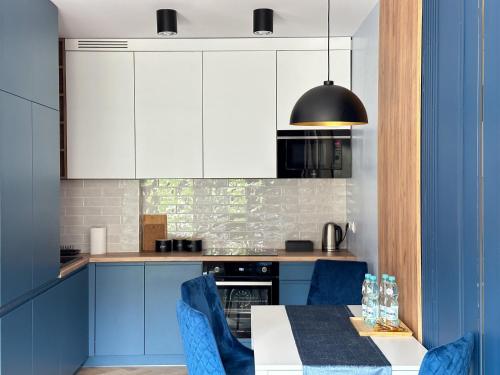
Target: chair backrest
201 294
449 359
200 348
336 283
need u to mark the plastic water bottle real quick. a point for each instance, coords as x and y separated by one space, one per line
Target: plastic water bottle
364 294
382 296
392 303
372 305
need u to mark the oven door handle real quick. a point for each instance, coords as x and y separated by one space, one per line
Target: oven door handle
244 283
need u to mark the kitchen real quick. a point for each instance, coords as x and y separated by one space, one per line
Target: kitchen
148 144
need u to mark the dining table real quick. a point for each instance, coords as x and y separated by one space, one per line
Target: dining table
280 349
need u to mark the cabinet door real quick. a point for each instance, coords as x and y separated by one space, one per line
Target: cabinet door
16 189
294 292
119 305
16 342
239 114
45 194
100 104
162 288
45 50
299 71
74 324
47 331
168 107
28 45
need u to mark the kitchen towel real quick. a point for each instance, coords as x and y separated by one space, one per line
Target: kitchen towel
98 240
328 343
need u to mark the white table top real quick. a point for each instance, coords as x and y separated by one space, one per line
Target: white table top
276 352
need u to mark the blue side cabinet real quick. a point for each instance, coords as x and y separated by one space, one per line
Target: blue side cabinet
60 327
45 194
16 342
28 45
47 331
295 280
162 288
16 197
119 309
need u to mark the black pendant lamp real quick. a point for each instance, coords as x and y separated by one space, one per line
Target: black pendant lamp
329 104
263 21
166 22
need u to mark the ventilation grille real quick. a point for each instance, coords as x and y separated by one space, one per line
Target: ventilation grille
102 44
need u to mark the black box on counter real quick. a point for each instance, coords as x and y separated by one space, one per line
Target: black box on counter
299 245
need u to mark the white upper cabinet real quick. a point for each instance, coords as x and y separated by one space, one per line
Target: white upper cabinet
299 71
239 114
100 104
168 110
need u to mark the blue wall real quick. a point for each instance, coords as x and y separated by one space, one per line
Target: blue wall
451 196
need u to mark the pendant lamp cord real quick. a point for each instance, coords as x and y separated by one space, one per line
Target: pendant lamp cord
328 43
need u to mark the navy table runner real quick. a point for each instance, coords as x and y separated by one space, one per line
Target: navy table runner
328 343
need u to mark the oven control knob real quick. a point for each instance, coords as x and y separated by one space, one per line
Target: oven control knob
216 269
264 269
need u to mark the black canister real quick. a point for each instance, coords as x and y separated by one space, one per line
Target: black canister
179 244
163 245
194 245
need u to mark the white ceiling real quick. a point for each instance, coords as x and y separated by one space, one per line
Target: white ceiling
207 18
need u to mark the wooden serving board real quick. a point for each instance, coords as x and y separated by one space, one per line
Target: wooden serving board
365 330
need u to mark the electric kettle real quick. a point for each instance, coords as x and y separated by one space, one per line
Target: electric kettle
333 236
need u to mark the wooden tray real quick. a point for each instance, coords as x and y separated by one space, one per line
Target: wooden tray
365 330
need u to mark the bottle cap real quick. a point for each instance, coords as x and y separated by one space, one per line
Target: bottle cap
385 276
367 275
373 277
392 278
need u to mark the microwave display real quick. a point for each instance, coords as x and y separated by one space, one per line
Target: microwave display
314 154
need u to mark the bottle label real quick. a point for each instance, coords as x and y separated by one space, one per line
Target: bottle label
389 291
391 313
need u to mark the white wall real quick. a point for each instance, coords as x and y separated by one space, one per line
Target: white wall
362 208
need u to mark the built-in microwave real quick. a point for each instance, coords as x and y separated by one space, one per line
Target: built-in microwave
314 153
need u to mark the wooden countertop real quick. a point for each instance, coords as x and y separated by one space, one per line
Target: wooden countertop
282 256
73 266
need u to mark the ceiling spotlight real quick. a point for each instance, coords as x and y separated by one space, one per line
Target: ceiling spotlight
166 22
263 21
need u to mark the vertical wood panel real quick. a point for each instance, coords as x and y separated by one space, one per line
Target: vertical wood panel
399 152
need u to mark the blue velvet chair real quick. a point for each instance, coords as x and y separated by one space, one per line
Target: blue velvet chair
336 283
200 348
450 359
202 295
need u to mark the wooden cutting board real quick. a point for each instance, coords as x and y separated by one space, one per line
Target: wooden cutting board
365 330
154 227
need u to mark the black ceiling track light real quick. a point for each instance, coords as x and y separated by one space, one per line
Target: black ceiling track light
328 104
166 22
263 21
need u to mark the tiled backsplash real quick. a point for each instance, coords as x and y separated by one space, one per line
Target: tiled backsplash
110 203
223 212
246 212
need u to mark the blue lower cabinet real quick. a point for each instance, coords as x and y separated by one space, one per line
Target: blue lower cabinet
119 309
47 332
295 281
17 341
162 290
74 323
294 292
60 327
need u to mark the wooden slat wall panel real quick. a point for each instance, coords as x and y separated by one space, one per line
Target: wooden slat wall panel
399 152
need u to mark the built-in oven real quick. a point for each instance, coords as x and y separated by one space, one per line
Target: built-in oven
314 153
241 285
